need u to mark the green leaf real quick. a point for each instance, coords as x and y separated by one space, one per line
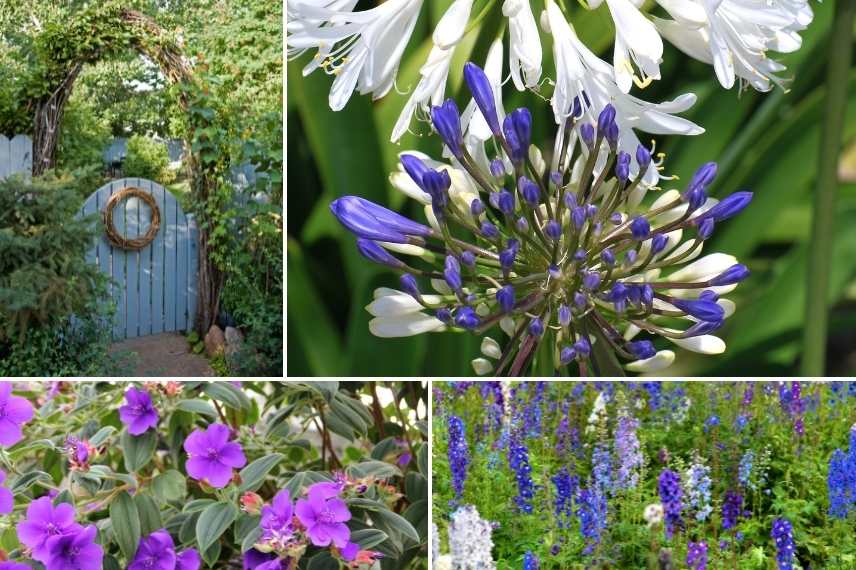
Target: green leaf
150 517
369 537
422 460
376 469
251 539
101 436
303 479
396 526
212 554
138 450
253 474
323 561
27 480
416 486
125 520
213 522
198 406
228 394
170 486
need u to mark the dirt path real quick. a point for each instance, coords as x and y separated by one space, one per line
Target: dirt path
166 354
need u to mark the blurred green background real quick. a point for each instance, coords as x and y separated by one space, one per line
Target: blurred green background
764 142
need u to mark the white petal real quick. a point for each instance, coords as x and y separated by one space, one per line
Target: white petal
398 303
490 348
704 344
708 266
404 183
405 325
631 331
482 366
405 248
660 361
432 219
452 24
507 325
441 287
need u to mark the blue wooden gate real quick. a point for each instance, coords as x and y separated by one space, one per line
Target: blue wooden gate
154 288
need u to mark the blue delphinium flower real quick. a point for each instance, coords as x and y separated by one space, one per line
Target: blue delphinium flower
601 462
732 509
566 489
628 453
459 455
518 460
783 535
532 412
744 470
530 561
698 489
669 486
564 253
591 510
654 390
841 480
697 555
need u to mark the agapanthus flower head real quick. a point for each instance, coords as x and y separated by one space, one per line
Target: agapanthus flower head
75 551
14 412
566 249
783 535
324 515
212 456
139 414
43 522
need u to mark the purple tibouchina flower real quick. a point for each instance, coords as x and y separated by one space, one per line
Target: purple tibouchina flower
7 500
76 551
13 566
44 521
276 518
324 515
212 456
138 414
255 560
14 412
156 552
188 560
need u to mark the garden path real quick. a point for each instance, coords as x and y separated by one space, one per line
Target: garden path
166 354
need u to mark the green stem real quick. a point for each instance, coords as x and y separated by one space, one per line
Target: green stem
820 244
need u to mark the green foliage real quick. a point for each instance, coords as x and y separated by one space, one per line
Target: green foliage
788 476
84 136
147 158
45 280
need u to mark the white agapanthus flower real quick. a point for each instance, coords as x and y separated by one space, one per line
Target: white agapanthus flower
735 35
525 43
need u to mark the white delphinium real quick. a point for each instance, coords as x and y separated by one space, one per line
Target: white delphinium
470 543
598 416
362 49
435 545
653 514
735 35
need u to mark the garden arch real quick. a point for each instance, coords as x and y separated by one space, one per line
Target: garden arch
99 32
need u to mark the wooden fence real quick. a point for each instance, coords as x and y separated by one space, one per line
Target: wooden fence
16 156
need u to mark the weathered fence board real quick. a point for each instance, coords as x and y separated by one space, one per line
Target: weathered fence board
154 288
16 156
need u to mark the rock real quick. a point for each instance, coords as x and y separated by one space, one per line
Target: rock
234 341
215 342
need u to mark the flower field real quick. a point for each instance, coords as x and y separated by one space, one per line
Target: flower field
183 476
699 475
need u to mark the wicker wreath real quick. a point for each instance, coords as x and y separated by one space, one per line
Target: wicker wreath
118 239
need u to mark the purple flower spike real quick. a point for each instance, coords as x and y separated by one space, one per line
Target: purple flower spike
482 92
212 456
76 551
276 518
14 412
138 414
324 515
44 521
156 552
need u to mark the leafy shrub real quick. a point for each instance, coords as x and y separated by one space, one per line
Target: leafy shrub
45 280
83 180
226 473
147 158
84 136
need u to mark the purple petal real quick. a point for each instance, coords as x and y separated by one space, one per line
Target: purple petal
232 455
282 504
196 443
350 551
199 467
19 409
306 513
318 535
323 491
63 515
218 435
10 432
339 533
7 501
219 475
141 424
339 510
188 560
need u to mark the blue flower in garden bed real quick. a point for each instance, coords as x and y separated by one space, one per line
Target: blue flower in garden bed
562 253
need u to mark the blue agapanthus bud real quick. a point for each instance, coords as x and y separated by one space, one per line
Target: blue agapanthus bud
580 300
607 256
591 210
705 228
497 168
708 295
630 258
640 227
611 135
536 327
437 184
505 298
591 280
704 175
505 202
476 207
517 128
567 355
642 349
447 121
506 258
587 134
452 273
583 346
695 197
376 253
647 294
605 118
580 254
409 285
553 229
444 315
371 221
570 200
468 258
643 159
702 310
466 318
414 167
530 191
578 216
702 328
729 206
734 274
564 315
622 166
483 95
554 271
658 243
522 225
556 178
489 230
